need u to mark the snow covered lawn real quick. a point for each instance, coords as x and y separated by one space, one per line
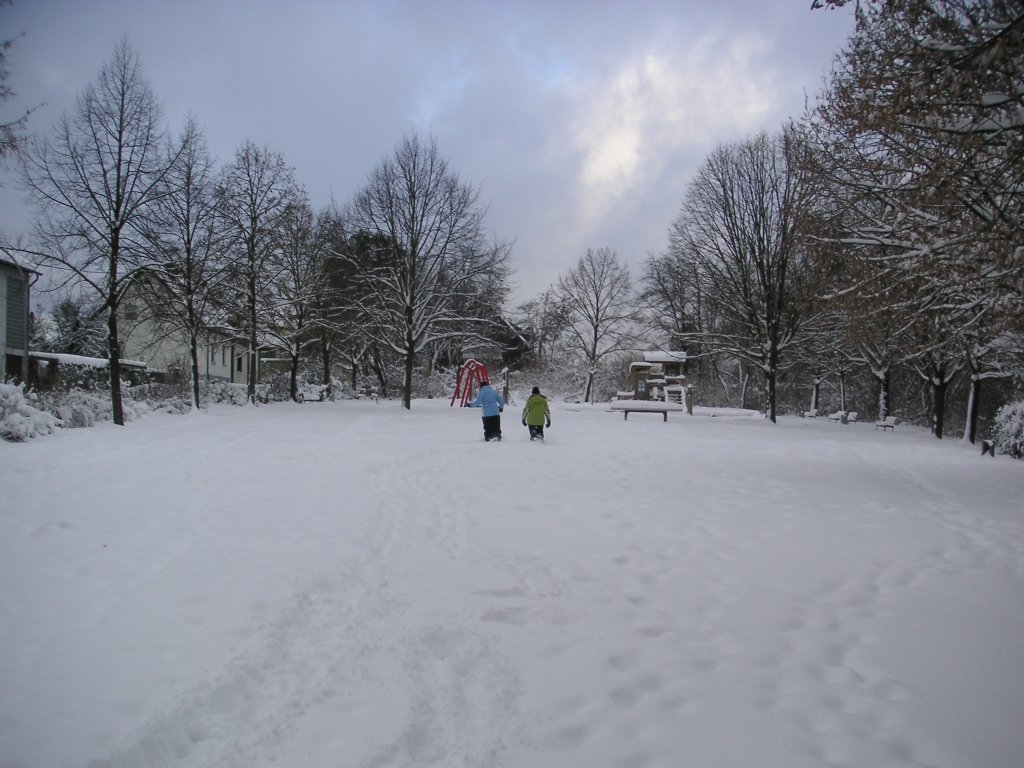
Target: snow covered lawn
351 585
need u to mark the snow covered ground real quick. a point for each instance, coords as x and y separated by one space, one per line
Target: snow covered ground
336 585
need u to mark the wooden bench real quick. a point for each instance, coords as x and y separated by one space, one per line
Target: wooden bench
627 411
844 417
645 406
368 393
889 422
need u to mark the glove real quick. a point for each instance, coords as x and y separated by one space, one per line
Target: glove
548 423
524 422
501 410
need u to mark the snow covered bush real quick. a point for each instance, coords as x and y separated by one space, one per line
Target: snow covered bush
79 407
157 391
172 405
1009 430
312 392
275 388
342 390
19 418
440 383
160 398
225 392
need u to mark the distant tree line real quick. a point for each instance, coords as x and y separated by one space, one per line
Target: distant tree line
868 256
127 213
874 249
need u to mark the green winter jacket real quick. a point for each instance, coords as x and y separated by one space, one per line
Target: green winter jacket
536 410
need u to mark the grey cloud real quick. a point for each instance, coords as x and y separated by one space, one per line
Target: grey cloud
508 89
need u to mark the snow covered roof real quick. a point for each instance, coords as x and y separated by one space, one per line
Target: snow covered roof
661 356
15 265
94 362
645 405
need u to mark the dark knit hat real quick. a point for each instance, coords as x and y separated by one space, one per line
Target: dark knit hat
536 390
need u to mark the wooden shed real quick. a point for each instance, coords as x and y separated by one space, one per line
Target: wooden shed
660 376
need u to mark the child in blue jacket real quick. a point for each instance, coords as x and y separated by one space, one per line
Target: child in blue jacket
492 404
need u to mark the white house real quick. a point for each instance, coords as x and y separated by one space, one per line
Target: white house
165 350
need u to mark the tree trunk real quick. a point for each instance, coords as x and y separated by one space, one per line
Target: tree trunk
410 364
325 355
410 359
592 359
973 400
114 352
771 373
113 338
293 383
770 406
939 386
253 340
193 344
815 391
250 386
883 392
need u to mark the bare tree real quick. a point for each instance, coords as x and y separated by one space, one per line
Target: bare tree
185 286
256 192
598 294
335 318
11 130
298 286
738 228
425 256
93 181
671 293
544 321
75 329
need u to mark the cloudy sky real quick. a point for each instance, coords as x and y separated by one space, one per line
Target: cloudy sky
581 121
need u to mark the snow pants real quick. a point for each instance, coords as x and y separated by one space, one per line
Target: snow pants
492 428
536 431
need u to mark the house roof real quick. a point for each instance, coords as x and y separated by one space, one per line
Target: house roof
92 362
662 356
16 266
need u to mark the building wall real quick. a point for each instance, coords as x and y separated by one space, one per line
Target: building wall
13 328
15 312
221 360
145 340
3 324
218 357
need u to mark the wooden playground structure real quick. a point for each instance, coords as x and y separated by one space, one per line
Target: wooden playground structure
657 384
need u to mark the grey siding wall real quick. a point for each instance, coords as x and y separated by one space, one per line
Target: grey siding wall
15 320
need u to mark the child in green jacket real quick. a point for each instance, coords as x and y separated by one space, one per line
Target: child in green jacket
536 414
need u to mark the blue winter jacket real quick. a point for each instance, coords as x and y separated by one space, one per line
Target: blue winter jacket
488 399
